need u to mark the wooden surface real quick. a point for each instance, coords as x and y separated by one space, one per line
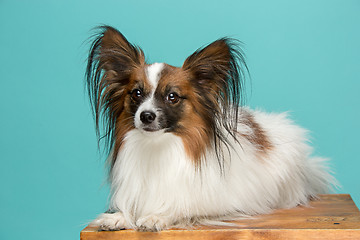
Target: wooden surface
333 216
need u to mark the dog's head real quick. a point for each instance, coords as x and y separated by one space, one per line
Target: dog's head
195 101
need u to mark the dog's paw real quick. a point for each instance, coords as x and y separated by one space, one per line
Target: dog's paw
151 223
110 222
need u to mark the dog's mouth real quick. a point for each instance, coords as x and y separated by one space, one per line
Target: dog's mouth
152 132
149 129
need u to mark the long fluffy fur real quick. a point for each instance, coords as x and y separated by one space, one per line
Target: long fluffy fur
250 162
110 63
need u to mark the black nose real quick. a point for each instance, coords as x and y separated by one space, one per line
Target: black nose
147 117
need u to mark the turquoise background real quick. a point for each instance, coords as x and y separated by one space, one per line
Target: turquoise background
304 57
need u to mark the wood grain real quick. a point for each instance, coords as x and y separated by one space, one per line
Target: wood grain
333 216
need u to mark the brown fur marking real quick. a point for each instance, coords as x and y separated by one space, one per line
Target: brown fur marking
192 129
257 136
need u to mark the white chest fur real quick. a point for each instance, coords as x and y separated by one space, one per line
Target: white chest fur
153 176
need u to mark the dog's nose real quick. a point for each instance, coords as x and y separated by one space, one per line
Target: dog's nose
147 117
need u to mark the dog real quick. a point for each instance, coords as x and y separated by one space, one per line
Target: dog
182 148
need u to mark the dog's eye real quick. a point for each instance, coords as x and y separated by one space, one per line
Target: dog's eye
136 95
172 98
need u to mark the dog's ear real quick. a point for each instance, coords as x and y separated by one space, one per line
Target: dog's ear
110 63
217 74
210 65
111 58
115 52
218 69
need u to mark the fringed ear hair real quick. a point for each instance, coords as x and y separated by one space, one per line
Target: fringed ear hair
219 70
217 73
110 62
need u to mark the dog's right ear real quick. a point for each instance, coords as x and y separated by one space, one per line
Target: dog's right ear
111 51
110 63
115 52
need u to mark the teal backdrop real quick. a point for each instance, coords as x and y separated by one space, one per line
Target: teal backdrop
304 57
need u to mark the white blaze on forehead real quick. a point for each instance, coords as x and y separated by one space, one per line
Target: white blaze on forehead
153 74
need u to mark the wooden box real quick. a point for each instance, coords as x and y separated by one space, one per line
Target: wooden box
333 216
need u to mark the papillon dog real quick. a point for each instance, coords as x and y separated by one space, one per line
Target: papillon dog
182 148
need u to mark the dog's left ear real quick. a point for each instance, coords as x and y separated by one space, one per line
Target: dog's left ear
216 73
210 64
218 69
